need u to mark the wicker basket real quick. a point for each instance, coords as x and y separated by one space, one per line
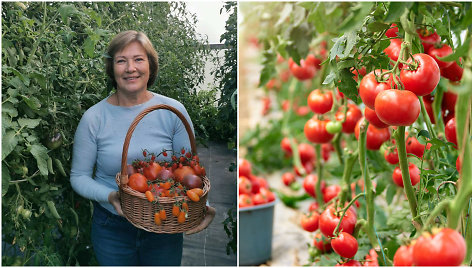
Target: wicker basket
138 210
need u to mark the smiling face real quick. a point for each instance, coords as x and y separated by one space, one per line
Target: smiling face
131 68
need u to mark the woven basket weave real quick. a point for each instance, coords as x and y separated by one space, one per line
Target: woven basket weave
138 210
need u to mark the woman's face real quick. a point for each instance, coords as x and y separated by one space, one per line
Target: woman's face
131 68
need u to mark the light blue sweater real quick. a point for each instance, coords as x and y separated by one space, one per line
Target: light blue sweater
99 139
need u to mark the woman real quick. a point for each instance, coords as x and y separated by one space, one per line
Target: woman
132 66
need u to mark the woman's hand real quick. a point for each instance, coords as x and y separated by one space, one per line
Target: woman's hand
210 214
114 199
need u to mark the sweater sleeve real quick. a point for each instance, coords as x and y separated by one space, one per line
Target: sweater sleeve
84 159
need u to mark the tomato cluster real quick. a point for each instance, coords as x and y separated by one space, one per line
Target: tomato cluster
253 190
181 176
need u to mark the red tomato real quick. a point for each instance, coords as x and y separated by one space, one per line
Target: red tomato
397 107
322 243
304 71
260 199
314 206
440 52
429 109
151 171
309 184
312 60
285 145
319 101
285 105
261 181
288 178
270 195
315 131
345 245
449 102
326 149
370 87
371 258
138 182
302 110
428 39
244 185
244 167
309 221
372 117
307 152
356 73
391 156
393 50
375 136
444 248
458 164
392 31
329 220
403 256
414 175
285 75
450 131
256 186
331 192
353 115
245 200
413 146
422 80
453 72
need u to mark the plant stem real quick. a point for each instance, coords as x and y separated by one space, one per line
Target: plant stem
337 147
351 158
409 190
319 172
344 211
429 126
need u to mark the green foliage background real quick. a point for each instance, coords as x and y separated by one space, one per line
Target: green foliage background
52 71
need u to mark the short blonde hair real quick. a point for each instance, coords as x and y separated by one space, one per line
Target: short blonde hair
120 41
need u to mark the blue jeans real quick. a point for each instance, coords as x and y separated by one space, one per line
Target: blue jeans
117 242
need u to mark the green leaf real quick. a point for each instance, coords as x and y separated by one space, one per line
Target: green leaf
9 109
317 19
32 102
347 84
377 26
329 78
66 11
266 74
351 40
40 153
9 142
338 48
356 19
467 19
5 179
460 52
29 123
284 14
89 46
391 191
396 9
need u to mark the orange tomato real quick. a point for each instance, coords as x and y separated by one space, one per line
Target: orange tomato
157 218
149 196
176 210
138 182
181 217
162 214
193 196
198 191
185 206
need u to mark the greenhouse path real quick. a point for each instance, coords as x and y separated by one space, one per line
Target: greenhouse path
208 248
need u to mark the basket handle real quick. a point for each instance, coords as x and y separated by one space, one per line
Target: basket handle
124 155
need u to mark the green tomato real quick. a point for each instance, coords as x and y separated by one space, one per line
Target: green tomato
334 127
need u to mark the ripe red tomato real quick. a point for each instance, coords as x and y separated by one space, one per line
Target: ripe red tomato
397 107
270 195
392 31
302 110
375 136
244 167
440 52
370 87
245 200
371 259
244 185
308 166
393 50
326 149
372 117
260 199
322 243
309 221
309 184
307 152
256 185
304 71
285 145
329 220
331 192
319 101
450 131
315 131
345 245
444 248
138 182
314 206
356 73
403 256
151 171
353 115
413 146
429 109
314 61
414 175
453 72
181 172
288 178
449 102
391 156
422 80
428 38
458 164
